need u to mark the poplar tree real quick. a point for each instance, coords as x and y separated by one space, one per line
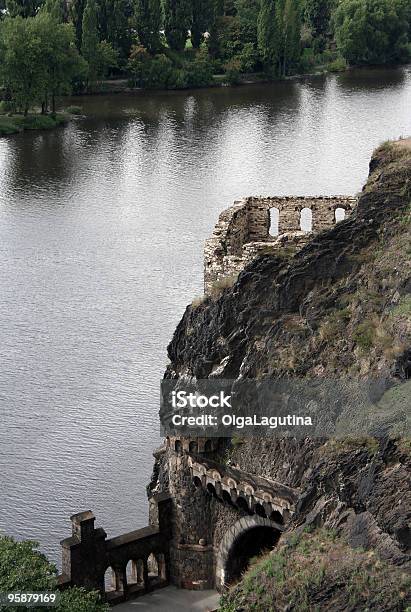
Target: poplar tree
317 14
114 24
202 21
90 37
76 12
267 32
290 28
148 23
56 9
177 16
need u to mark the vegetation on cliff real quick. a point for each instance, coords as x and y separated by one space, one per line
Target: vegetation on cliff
319 571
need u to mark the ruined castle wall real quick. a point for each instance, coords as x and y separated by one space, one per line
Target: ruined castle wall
243 231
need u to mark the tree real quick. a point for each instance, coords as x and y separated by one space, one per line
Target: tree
24 568
23 8
267 32
317 15
114 24
39 60
177 16
76 12
21 68
279 25
57 9
290 28
99 55
60 58
373 31
148 23
201 21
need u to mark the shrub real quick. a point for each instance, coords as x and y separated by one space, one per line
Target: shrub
233 71
74 110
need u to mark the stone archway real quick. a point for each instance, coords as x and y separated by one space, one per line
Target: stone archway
248 537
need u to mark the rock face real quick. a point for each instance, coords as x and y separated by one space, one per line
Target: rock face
340 306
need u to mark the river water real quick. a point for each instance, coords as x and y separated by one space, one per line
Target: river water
102 225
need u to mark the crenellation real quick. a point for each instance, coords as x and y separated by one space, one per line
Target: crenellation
243 230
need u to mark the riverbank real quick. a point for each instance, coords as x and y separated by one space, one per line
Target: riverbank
19 123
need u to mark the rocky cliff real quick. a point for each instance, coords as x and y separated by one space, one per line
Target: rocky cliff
339 307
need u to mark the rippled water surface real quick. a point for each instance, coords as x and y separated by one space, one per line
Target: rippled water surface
101 232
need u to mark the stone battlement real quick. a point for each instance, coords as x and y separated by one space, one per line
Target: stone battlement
259 225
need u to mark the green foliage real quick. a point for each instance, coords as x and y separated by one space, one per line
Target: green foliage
23 8
74 110
100 55
114 18
39 59
148 23
80 600
373 31
56 9
317 15
202 20
159 72
76 13
177 21
279 26
24 568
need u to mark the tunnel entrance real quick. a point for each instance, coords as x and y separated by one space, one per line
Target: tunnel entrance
248 538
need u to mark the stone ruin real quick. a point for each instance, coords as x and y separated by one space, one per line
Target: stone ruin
257 225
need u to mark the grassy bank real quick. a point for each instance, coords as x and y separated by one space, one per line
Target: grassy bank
18 123
318 571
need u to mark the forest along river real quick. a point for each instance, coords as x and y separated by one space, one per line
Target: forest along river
101 236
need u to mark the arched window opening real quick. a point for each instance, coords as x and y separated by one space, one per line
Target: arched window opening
242 504
211 489
306 220
152 567
339 215
274 222
110 582
226 497
178 447
208 446
162 571
258 509
197 482
277 517
131 572
193 447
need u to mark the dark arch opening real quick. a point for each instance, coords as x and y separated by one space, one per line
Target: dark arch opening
226 497
193 447
197 482
277 517
249 544
258 509
178 446
208 446
211 489
242 504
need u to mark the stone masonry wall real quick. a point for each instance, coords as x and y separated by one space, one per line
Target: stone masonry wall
243 231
